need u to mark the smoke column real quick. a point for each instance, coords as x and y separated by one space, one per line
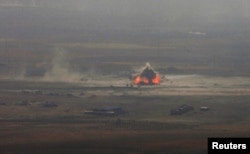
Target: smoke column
60 69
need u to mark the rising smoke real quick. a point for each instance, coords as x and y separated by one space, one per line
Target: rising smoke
60 69
60 66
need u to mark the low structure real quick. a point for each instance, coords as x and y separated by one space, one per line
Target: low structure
106 111
204 108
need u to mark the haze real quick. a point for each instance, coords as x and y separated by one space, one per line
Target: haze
130 76
90 19
211 34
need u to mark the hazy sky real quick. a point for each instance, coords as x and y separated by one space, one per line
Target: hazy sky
146 23
154 16
168 13
165 9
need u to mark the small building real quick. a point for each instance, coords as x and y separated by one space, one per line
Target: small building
204 108
106 111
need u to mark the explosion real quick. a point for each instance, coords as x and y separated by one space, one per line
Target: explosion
147 77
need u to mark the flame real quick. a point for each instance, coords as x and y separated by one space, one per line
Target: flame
156 79
143 80
147 76
139 80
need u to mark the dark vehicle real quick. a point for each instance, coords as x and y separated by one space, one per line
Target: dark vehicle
181 109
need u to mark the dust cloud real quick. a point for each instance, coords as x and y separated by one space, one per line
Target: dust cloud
60 69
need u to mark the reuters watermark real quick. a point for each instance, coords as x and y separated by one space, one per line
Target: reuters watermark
229 145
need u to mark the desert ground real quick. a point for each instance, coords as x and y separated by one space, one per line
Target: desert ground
63 62
60 60
48 117
46 89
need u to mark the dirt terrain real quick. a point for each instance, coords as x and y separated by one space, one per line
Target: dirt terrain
63 64
48 117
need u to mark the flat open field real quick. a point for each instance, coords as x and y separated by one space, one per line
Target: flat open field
48 117
64 63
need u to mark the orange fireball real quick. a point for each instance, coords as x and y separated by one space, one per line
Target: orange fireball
156 80
147 77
